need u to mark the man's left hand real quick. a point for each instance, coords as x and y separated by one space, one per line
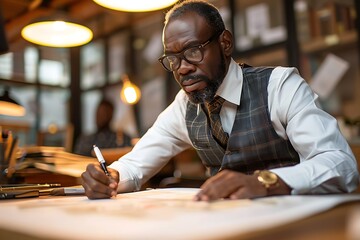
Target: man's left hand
235 185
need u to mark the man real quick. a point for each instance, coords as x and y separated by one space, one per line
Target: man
104 137
276 140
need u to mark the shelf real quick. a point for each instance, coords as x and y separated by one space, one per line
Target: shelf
332 42
260 49
275 57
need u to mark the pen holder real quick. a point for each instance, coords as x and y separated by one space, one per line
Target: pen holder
3 164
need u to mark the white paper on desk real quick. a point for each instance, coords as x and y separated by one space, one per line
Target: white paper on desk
158 214
328 75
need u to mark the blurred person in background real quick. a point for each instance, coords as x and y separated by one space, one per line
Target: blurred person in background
104 137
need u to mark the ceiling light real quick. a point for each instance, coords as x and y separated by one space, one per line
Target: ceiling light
57 33
9 106
135 5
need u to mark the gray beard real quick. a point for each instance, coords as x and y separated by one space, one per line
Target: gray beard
208 93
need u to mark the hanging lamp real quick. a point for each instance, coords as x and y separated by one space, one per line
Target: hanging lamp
135 5
9 107
57 31
130 93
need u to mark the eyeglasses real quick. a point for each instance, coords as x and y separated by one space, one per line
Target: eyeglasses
192 55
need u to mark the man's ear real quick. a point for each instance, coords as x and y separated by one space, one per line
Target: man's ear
227 42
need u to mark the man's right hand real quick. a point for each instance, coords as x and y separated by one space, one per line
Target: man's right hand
97 184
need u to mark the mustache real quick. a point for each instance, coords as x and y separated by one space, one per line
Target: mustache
193 77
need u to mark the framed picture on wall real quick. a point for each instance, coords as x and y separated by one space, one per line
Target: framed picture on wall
258 23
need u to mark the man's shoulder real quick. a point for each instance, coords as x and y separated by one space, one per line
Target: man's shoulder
277 72
285 71
262 72
259 69
255 69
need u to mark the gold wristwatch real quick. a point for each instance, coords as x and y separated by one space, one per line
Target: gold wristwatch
267 178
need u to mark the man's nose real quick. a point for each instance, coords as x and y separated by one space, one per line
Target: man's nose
185 67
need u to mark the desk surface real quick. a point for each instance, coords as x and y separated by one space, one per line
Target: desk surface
333 224
171 214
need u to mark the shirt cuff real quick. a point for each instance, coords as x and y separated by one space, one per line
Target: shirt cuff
296 178
127 183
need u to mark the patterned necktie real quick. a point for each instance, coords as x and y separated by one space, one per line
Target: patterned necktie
217 131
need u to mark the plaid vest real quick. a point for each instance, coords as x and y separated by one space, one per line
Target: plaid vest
253 142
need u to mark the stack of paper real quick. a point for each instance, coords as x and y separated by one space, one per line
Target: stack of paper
53 159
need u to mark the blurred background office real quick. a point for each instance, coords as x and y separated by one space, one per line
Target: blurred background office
60 87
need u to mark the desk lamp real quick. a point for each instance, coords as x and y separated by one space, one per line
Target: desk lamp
9 106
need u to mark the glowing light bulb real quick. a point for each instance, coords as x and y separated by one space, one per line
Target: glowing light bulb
130 93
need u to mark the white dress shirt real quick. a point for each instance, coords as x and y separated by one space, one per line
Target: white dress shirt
327 163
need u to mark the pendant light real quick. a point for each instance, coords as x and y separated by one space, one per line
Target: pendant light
135 5
9 107
130 93
57 31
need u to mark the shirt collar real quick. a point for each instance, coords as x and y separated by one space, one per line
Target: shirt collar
232 84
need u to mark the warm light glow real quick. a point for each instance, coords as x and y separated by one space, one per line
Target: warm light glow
11 109
57 34
135 5
53 128
130 93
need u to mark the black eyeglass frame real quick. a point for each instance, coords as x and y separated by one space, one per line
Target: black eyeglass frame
181 55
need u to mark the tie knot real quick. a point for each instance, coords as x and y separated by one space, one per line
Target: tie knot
215 105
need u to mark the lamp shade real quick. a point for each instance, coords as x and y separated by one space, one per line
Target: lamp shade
9 106
135 5
57 31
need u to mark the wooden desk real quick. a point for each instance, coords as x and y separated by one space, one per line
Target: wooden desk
330 225
71 218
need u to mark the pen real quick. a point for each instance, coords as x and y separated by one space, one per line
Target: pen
101 160
65 191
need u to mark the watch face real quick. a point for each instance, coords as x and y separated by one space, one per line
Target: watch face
268 177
